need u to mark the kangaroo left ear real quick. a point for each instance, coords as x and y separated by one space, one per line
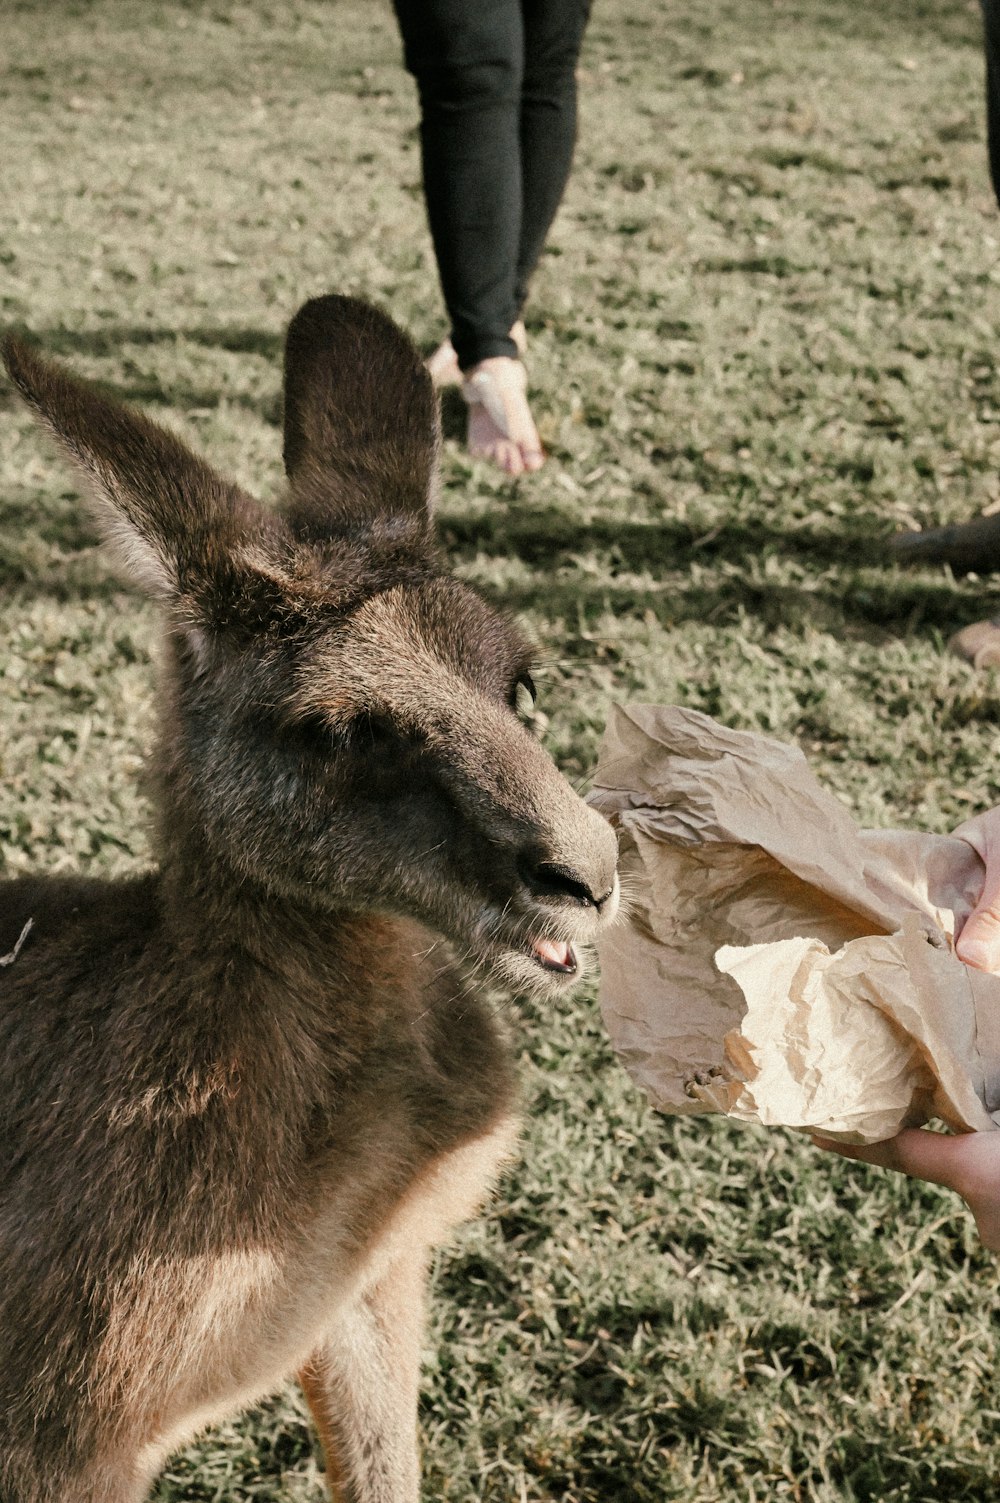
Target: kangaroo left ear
361 422
182 530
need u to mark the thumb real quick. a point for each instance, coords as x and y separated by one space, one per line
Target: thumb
979 942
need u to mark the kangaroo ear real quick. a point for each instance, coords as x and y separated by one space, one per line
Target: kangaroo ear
178 526
361 421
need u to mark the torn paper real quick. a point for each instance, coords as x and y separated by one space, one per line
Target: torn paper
779 963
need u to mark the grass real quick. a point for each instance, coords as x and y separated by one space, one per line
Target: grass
763 337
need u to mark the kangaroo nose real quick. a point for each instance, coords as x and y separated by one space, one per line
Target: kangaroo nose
549 879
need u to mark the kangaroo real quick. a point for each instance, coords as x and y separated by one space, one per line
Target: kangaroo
243 1094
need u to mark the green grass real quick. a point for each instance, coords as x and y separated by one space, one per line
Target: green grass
763 337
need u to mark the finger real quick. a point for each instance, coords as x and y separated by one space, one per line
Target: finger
978 937
988 1225
933 1156
925 1155
975 1174
865 1153
979 942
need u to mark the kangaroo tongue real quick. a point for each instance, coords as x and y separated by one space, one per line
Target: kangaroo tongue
555 955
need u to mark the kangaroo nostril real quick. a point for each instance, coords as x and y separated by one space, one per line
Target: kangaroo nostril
548 879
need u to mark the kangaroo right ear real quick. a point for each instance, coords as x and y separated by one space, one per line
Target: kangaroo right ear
178 527
361 422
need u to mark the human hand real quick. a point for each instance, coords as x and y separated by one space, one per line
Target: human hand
978 941
968 1162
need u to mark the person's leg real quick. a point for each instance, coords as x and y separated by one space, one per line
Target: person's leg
467 59
970 547
500 423
553 33
991 30
443 363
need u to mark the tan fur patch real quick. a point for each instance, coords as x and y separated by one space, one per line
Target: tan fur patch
248 1319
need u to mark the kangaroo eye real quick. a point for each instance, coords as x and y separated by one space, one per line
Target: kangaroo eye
522 696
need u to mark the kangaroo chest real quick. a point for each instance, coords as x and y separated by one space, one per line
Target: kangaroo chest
250 1317
406 1144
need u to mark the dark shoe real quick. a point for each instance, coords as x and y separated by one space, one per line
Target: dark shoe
969 547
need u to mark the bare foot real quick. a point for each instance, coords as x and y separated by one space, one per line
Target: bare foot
978 644
443 364
501 427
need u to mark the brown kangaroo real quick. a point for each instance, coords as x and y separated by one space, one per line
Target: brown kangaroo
244 1094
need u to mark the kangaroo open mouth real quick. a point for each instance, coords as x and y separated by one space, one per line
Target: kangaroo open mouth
554 955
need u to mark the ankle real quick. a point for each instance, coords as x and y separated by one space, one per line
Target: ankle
507 369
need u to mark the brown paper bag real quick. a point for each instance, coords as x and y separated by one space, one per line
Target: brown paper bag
778 963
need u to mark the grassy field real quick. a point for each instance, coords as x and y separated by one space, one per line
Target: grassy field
763 337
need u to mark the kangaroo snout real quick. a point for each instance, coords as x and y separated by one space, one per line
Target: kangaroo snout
566 892
551 879
579 870
577 900
572 862
544 861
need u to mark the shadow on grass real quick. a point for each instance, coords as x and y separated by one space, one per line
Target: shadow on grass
552 535
870 610
145 387
913 18
46 549
868 1470
893 19
873 609
55 557
239 339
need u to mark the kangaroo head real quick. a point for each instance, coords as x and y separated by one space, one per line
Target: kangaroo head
340 724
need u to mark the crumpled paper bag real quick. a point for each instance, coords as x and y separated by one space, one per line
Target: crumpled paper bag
778 963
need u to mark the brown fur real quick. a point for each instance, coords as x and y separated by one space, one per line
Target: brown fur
242 1096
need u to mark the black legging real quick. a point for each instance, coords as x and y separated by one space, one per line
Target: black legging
497 87
991 23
